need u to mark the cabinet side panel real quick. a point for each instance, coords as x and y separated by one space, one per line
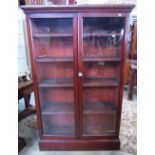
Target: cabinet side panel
120 98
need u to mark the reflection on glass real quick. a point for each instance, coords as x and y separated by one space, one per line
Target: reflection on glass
102 51
103 36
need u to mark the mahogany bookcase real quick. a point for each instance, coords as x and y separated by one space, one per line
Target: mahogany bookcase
77 57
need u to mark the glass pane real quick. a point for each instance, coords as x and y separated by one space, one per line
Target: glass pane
53 39
99 111
57 110
102 52
103 37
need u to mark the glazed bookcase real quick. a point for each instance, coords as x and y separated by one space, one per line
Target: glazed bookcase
78 57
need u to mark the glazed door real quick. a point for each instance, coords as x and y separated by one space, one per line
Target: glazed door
100 57
54 54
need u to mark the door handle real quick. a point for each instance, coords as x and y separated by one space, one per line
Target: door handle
79 74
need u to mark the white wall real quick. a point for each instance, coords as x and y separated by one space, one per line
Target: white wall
23 50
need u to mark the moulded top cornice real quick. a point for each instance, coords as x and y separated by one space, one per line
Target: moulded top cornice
77 8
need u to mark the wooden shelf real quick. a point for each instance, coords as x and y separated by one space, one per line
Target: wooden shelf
57 108
85 35
100 34
54 59
99 107
87 82
96 59
111 133
58 35
57 82
70 59
100 82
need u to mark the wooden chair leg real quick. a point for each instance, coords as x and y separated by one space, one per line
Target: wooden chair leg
27 101
131 84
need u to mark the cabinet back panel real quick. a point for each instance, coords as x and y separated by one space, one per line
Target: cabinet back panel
98 124
54 70
99 71
91 49
103 36
57 95
54 47
100 94
53 37
59 124
52 26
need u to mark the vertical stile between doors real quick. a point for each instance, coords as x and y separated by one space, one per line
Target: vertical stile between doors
80 70
75 58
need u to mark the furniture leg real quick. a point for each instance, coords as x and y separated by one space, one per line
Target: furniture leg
131 84
27 101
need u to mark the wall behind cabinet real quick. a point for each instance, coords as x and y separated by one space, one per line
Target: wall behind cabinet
24 66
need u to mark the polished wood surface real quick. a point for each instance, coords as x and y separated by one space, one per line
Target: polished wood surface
134 42
132 56
78 57
132 79
124 9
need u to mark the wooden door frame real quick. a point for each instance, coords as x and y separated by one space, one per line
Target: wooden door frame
34 71
80 69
